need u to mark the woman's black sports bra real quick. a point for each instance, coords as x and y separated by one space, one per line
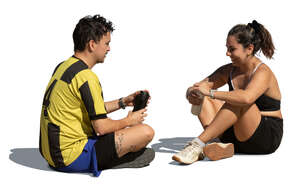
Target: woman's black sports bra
264 102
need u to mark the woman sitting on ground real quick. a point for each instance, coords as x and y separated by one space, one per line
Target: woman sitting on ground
247 118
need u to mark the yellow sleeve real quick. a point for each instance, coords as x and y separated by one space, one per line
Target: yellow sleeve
91 94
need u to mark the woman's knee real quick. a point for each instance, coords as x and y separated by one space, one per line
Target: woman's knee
210 108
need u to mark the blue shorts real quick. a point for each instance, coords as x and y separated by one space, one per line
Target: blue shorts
86 162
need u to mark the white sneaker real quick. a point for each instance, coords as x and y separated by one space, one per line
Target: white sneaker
191 153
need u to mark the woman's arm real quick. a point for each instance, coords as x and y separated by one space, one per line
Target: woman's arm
218 78
242 97
214 81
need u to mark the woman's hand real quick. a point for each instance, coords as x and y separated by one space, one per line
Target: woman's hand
196 93
128 101
202 88
195 100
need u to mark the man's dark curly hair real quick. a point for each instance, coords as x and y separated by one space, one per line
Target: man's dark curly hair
90 28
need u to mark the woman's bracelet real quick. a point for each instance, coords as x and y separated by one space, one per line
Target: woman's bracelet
212 93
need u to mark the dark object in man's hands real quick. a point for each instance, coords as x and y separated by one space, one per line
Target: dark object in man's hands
140 101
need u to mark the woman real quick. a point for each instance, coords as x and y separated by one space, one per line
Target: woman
247 118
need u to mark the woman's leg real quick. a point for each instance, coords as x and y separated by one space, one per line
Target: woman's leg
193 151
133 139
244 119
210 108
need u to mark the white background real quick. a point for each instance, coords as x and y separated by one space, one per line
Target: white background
162 46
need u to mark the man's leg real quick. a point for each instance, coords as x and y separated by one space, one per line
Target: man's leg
133 139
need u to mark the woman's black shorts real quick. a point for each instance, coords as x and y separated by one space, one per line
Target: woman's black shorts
265 140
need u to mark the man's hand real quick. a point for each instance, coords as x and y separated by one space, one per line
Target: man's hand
137 117
128 101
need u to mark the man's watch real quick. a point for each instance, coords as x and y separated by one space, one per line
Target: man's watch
121 103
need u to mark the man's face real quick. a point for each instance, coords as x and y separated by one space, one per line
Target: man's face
102 47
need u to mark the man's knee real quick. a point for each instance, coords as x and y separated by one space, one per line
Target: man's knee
148 132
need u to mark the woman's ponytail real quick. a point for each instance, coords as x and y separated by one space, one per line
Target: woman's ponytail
256 34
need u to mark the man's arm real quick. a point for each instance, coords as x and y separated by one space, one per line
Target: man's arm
107 125
112 106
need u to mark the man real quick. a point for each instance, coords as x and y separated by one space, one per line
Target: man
76 134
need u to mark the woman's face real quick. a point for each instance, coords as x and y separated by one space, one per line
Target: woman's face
237 53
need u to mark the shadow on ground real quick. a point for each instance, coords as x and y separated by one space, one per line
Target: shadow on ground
171 145
174 145
29 157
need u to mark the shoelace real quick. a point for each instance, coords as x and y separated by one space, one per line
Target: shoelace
192 146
